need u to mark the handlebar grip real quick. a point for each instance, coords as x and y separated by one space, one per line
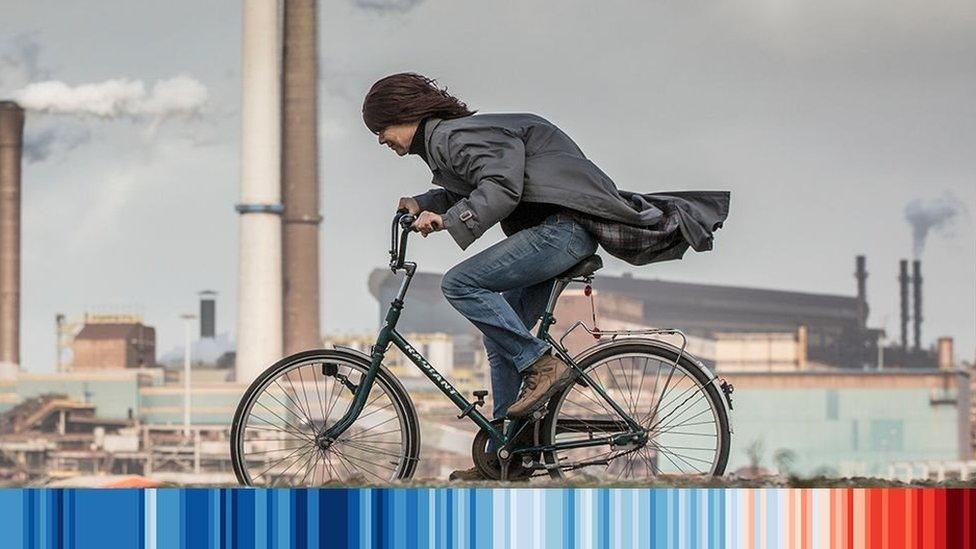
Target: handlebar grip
398 247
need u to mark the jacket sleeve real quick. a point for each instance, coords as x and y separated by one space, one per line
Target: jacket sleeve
437 200
494 162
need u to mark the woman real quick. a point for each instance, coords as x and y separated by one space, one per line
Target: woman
554 206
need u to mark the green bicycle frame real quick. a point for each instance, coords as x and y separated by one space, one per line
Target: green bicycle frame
388 334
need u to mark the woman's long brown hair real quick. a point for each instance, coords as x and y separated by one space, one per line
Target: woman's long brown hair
408 97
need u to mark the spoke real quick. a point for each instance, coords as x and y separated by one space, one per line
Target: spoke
630 382
665 454
375 426
278 428
706 409
376 410
360 434
663 391
373 440
597 402
616 384
318 392
285 392
685 424
308 470
673 400
342 458
287 439
661 406
370 449
308 457
690 434
640 388
336 391
627 463
587 408
275 450
650 461
368 461
289 456
679 455
342 463
283 420
305 393
328 461
294 400
287 376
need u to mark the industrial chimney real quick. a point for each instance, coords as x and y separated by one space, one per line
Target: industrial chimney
11 143
259 267
917 312
208 314
861 274
299 178
903 290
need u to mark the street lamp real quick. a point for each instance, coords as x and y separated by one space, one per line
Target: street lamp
187 324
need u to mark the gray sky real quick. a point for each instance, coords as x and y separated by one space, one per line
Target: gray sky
824 119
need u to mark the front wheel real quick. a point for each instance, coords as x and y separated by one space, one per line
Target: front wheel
682 415
277 434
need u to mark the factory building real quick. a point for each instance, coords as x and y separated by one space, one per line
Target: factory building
114 342
831 329
849 423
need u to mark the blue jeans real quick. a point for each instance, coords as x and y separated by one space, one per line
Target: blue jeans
503 291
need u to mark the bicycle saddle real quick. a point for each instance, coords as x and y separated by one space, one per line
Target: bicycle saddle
586 267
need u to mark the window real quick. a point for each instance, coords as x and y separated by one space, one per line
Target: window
886 434
833 404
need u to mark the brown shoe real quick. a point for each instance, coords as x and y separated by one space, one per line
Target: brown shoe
544 378
471 474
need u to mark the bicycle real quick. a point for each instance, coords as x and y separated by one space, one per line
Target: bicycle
679 426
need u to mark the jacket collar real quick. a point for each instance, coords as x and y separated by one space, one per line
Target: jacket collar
429 126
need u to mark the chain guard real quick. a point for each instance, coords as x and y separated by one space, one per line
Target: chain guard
489 465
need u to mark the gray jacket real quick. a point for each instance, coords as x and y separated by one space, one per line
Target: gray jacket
486 164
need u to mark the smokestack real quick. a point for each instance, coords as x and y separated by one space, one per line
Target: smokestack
917 313
259 285
208 314
944 353
861 274
300 184
903 287
11 146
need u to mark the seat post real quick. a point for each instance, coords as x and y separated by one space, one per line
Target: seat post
557 289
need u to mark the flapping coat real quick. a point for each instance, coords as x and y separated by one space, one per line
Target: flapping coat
485 164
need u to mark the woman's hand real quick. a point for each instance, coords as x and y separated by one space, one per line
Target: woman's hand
409 204
428 222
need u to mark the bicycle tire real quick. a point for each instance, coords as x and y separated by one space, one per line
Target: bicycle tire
593 357
390 385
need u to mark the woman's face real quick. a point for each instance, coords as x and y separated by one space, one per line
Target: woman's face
398 137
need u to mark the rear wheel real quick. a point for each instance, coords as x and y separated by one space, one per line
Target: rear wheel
678 407
277 434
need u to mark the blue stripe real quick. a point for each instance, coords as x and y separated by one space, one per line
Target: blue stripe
344 518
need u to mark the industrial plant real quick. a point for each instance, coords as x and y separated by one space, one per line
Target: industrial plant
812 377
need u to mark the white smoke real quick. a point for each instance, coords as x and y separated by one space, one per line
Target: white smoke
203 350
935 214
41 143
117 98
19 62
385 6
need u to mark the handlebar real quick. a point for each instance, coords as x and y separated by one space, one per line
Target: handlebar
398 246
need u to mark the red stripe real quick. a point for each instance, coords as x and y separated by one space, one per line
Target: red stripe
967 524
848 512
